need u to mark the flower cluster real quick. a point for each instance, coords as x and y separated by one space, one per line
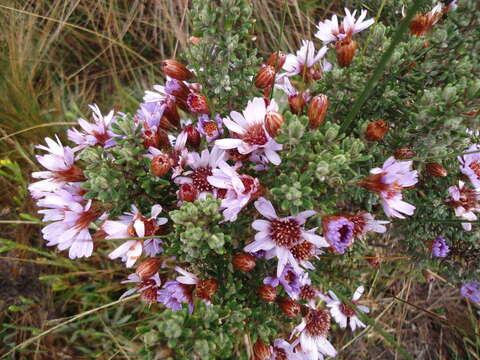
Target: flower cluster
179 153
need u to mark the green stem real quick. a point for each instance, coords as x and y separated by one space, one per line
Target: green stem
280 38
372 82
458 153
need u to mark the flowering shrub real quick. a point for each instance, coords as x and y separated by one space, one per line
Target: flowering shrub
247 195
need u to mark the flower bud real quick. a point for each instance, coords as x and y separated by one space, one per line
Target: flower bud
403 153
435 169
261 350
178 89
197 103
160 165
171 114
176 70
289 307
265 77
205 289
277 59
317 111
419 25
345 51
273 122
376 130
150 137
267 293
147 268
244 262
194 40
193 136
187 192
296 103
374 261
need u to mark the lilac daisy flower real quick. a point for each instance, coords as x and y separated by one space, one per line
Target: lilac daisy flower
388 182
71 220
440 248
283 350
134 224
278 236
304 59
470 165
173 294
338 231
342 313
97 133
250 132
313 332
61 169
471 290
211 129
148 288
240 189
202 166
330 30
365 223
465 203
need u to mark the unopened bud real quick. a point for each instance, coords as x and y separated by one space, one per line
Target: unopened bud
374 261
267 293
317 111
376 130
176 70
273 122
178 89
403 153
187 192
419 25
197 103
205 289
194 40
261 350
345 51
265 77
171 113
296 103
244 262
277 59
148 268
435 169
160 165
289 307
193 136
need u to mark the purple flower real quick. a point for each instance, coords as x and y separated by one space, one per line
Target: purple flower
471 290
174 294
211 129
440 248
150 114
289 279
148 288
284 238
465 203
338 231
97 133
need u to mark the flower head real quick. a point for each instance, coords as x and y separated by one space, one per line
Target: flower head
289 279
440 248
330 30
279 236
365 223
304 60
134 224
471 290
313 332
211 129
239 189
465 202
148 288
343 313
59 161
250 132
338 231
388 182
97 133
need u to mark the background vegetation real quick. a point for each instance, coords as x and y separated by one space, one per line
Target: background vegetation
58 56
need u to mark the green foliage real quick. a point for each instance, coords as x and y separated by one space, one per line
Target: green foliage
225 59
